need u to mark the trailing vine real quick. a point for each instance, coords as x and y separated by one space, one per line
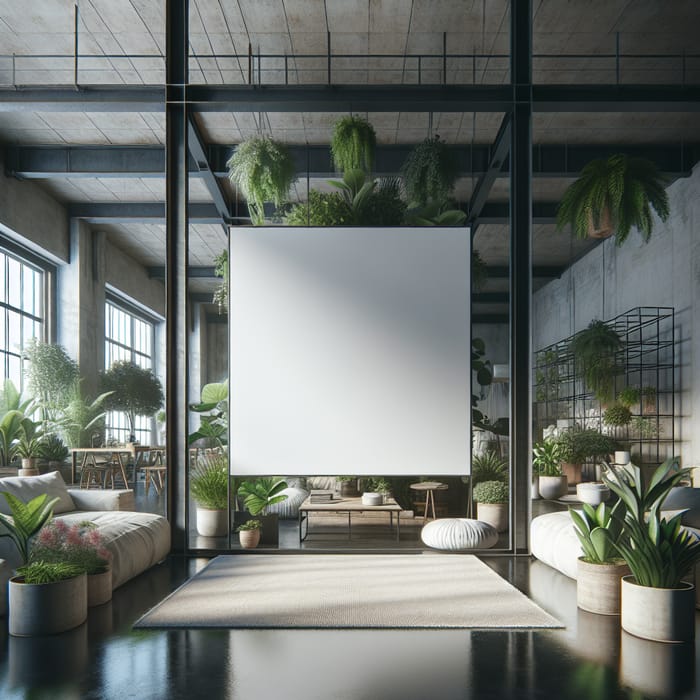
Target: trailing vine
353 144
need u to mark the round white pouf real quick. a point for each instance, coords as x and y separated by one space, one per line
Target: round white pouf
459 533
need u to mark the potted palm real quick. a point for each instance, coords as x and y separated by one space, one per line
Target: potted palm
492 503
249 533
656 603
209 486
601 567
256 496
29 447
613 195
547 461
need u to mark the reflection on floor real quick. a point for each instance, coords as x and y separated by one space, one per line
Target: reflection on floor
105 659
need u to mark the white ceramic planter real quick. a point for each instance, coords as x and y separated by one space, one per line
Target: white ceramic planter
370 498
47 608
495 514
622 457
592 492
99 588
211 523
553 487
535 488
598 587
659 614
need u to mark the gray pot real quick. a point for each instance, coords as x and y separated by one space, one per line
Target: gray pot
598 587
495 514
46 608
99 588
592 492
660 614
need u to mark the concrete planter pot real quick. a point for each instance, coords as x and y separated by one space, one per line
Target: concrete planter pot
553 487
659 614
29 467
592 492
99 588
495 514
212 523
572 472
598 587
249 539
46 608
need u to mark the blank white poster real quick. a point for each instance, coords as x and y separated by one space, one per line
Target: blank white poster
350 351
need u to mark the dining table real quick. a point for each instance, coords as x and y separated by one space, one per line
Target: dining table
118 455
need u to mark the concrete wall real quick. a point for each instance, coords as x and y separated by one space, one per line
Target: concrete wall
32 218
664 272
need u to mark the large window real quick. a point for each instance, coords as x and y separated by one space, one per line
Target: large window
22 311
129 337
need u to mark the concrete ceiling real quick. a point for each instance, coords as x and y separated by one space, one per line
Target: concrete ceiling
122 42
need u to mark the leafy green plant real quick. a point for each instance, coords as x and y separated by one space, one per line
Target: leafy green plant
617 415
82 417
132 389
489 466
263 170
353 144
628 396
263 492
658 552
41 572
644 427
50 374
13 410
53 449
594 350
80 544
599 531
624 187
27 520
479 271
578 446
209 482
321 209
220 297
649 399
249 525
547 458
30 437
430 172
435 214
213 426
491 492
483 375
376 484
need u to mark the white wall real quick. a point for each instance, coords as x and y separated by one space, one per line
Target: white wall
610 280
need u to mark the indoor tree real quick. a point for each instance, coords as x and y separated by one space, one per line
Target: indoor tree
134 390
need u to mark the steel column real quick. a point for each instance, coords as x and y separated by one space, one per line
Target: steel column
521 273
176 224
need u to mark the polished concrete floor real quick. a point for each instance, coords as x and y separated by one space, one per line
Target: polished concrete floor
105 658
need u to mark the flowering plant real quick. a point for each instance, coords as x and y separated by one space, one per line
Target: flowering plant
80 544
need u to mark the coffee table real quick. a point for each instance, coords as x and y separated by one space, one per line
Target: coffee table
349 506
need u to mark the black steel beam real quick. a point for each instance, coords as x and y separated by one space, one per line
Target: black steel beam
538 271
157 272
482 190
198 151
176 257
613 98
520 309
490 318
352 98
490 298
550 160
139 212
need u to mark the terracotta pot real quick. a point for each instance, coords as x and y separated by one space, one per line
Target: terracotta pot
249 538
659 614
99 588
495 514
598 587
605 226
572 472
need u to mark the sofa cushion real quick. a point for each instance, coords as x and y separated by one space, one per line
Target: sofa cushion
137 541
28 487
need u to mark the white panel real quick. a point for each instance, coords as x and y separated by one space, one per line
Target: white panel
350 351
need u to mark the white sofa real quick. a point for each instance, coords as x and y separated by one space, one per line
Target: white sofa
136 540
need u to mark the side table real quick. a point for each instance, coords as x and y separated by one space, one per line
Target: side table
429 487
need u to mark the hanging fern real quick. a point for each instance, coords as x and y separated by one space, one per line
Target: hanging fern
628 188
263 171
221 292
430 172
353 144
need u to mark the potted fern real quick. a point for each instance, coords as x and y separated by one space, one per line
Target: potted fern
209 489
611 196
353 144
263 170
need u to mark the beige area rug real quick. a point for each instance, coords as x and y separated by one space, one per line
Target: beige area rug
347 591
